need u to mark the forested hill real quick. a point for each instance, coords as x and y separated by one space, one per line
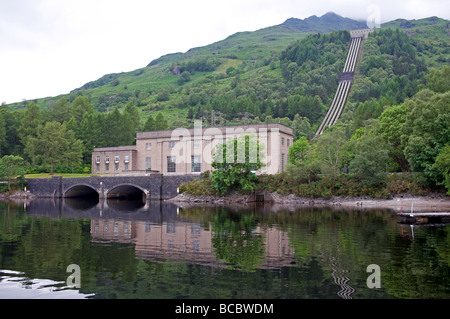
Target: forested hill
248 68
399 100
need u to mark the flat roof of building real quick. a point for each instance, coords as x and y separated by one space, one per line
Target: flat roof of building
168 133
116 148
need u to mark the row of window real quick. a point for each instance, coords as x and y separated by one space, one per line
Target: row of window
148 146
116 167
196 164
116 159
288 142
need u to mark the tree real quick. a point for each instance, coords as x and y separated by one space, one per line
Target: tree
80 106
236 163
442 164
2 134
149 124
369 163
391 125
426 132
29 123
160 122
55 144
330 150
11 167
121 128
439 80
298 149
301 126
133 112
59 111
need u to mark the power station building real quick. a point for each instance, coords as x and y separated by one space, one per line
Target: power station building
190 151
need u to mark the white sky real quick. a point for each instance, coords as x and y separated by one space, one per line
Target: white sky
50 47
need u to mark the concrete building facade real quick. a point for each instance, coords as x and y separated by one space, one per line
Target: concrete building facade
190 151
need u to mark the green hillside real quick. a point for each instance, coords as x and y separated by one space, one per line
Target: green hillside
286 73
243 51
247 68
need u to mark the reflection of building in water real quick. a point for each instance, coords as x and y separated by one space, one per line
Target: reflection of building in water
113 230
180 240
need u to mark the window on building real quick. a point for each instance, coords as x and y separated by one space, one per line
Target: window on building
282 162
97 167
171 144
107 159
288 141
107 167
116 166
196 229
148 146
170 228
126 166
282 141
97 160
196 164
148 163
171 164
127 158
116 159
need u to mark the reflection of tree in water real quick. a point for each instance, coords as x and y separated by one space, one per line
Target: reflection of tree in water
236 241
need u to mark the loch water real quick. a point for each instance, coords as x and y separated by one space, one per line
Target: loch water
134 250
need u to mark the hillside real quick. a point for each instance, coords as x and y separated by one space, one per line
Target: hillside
245 72
246 50
399 101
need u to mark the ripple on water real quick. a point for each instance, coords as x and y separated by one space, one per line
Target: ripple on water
14 285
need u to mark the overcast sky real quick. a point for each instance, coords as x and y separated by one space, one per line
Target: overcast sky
50 47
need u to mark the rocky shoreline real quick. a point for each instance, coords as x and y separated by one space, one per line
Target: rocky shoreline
17 196
435 202
405 202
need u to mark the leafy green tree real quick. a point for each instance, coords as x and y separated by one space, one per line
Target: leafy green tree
120 128
11 167
160 122
55 144
330 150
73 126
30 121
236 163
80 106
2 134
301 127
298 150
59 111
391 126
149 124
442 164
426 132
133 112
371 156
92 131
439 80
11 144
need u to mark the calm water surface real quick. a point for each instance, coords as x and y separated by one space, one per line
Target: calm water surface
126 250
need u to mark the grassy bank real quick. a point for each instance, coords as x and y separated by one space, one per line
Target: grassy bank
47 175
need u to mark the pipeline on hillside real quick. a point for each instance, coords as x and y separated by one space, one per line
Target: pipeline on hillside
345 80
